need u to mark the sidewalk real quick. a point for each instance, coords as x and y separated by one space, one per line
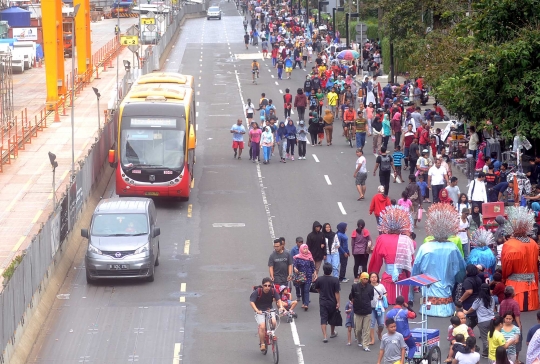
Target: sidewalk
26 184
29 89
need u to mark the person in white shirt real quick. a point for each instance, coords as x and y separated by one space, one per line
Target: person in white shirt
250 109
477 191
437 176
472 357
360 174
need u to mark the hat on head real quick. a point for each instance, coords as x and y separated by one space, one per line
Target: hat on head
425 151
301 122
364 275
282 288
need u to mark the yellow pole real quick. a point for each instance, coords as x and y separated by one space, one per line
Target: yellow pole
82 28
60 47
50 24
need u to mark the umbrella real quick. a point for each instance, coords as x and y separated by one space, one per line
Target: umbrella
348 55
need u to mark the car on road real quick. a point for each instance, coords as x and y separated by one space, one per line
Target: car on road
213 12
123 240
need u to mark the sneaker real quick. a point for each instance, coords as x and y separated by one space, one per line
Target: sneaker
292 157
263 347
287 156
333 335
366 348
345 280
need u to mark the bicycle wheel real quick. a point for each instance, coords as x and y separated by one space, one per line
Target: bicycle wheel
350 139
275 350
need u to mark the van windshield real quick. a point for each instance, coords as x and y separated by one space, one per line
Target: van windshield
120 225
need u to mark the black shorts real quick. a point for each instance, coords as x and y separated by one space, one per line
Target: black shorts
326 312
250 115
304 58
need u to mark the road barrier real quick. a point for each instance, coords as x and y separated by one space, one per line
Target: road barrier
29 273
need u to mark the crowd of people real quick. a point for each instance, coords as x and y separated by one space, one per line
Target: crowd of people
485 279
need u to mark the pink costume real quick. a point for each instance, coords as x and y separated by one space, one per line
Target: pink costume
386 249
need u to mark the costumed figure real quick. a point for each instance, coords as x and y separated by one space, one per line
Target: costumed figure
482 254
396 249
519 258
454 239
440 259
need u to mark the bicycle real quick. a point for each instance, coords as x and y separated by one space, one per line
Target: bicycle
270 338
350 134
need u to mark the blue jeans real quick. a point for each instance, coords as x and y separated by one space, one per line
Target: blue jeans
466 250
274 61
360 140
279 72
267 153
304 288
334 260
376 319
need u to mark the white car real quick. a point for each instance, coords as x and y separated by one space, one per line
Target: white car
213 12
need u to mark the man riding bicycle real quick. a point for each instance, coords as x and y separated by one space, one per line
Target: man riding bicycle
255 69
261 299
349 116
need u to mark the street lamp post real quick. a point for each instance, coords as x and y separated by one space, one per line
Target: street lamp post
352 15
54 164
334 17
319 7
98 95
73 44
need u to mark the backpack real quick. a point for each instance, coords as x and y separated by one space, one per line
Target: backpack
386 162
259 290
313 102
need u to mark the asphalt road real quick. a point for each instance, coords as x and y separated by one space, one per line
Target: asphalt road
197 310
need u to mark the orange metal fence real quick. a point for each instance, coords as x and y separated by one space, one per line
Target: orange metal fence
22 129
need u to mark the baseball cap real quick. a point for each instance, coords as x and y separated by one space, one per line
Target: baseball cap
364 275
425 151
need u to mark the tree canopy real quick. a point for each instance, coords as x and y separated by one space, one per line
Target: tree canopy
483 65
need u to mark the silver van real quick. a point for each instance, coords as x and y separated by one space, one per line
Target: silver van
122 240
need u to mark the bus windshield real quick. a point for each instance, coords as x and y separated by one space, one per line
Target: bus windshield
152 148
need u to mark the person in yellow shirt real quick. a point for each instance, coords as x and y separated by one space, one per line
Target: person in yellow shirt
332 98
496 339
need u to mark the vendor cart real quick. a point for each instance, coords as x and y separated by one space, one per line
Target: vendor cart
427 340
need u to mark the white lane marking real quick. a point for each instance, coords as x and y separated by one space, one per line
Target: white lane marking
277 83
241 97
228 224
220 103
176 353
197 103
272 76
296 340
197 127
292 112
315 157
196 113
187 244
340 205
198 93
327 180
280 91
307 141
269 71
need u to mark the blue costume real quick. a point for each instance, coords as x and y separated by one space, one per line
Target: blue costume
441 260
483 255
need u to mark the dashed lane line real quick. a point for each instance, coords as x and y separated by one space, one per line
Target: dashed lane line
342 209
315 157
327 180
176 353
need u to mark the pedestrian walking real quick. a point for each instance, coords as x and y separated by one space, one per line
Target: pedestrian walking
313 128
423 165
302 139
393 347
378 204
377 133
254 140
343 251
362 294
300 102
280 264
287 103
361 244
360 173
437 178
267 141
304 270
332 248
317 245
238 132
328 288
328 126
281 140
250 109
361 128
291 139
377 308
386 164
280 65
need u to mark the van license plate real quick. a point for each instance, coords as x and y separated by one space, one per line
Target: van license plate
151 193
118 266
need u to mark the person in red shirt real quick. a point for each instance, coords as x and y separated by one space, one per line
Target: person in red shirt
395 125
378 204
275 52
420 82
497 288
349 116
423 139
438 110
287 103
